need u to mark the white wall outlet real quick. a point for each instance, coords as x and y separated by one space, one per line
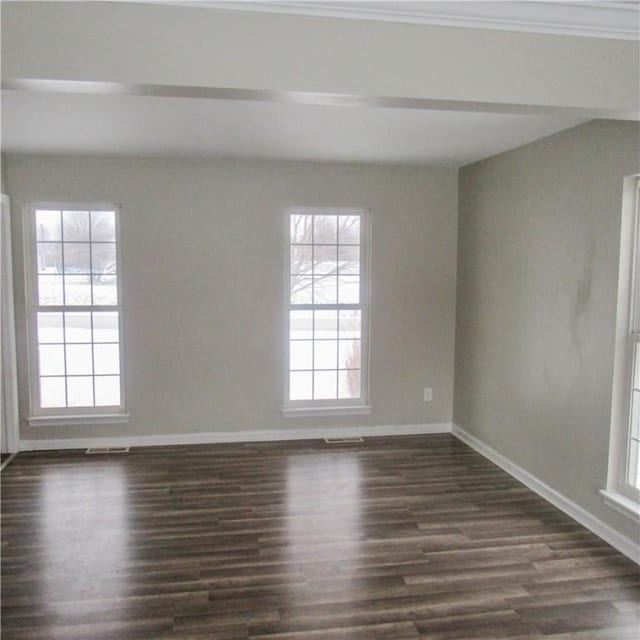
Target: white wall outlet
428 394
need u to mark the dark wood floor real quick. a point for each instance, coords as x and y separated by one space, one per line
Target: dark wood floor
396 538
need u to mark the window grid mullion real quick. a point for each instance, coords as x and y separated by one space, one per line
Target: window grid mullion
76 308
64 315
327 307
337 300
337 353
313 313
93 364
64 288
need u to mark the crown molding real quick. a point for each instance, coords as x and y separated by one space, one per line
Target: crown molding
617 20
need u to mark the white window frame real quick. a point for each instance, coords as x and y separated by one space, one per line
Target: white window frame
332 407
63 416
619 494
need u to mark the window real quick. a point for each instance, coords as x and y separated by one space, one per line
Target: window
327 310
631 473
74 313
623 480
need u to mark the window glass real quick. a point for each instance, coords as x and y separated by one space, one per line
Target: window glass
77 317
325 306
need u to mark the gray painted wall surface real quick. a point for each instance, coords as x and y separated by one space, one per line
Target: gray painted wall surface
3 173
536 302
203 262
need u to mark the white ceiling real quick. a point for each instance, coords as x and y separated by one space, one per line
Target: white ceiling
141 125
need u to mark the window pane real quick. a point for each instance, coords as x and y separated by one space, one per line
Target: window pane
326 324
50 290
105 291
75 226
77 327
76 258
50 327
49 257
349 230
105 326
301 259
79 360
349 384
301 354
52 392
48 225
329 338
301 228
107 391
325 354
350 324
349 354
325 259
634 426
325 289
77 265
348 289
325 385
106 358
300 325
103 226
80 391
301 289
633 469
51 359
636 366
349 260
103 259
77 290
325 229
300 383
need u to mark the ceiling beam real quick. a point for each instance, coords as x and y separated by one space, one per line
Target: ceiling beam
157 48
303 98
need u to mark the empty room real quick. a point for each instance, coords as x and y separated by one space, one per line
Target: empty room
320 320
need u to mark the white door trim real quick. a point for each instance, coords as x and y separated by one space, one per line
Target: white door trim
9 406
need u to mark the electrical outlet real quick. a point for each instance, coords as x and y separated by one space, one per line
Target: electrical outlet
428 394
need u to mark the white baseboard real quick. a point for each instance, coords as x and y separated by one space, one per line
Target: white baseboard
213 437
623 544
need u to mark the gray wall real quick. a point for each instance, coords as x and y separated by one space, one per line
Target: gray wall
536 304
203 261
3 174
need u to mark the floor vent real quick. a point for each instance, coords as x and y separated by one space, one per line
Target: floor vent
97 450
343 440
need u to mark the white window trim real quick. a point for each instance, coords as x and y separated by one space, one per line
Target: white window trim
8 361
63 416
618 494
339 410
332 407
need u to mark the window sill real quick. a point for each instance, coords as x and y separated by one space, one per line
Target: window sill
78 419
622 504
307 412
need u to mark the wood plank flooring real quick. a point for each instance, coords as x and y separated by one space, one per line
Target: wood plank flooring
394 538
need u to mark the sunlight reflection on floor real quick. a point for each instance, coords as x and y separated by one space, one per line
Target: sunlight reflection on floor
323 507
84 533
